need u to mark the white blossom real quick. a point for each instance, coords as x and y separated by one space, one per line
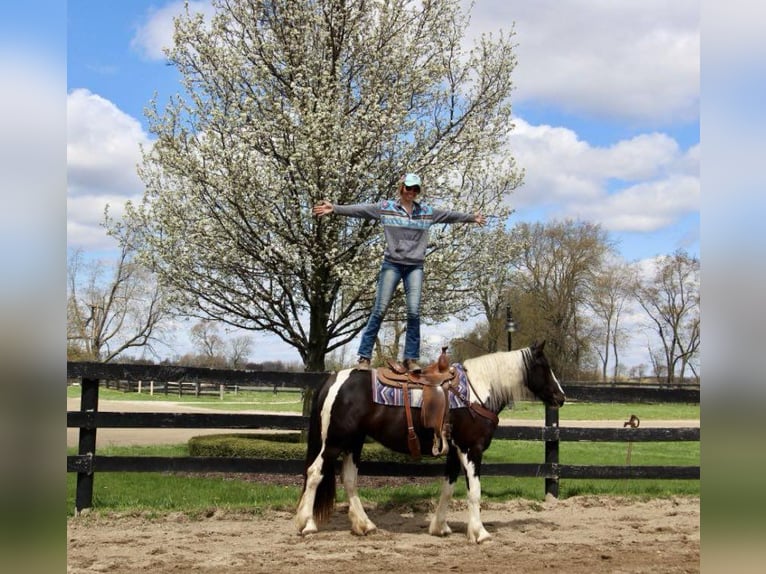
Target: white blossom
286 103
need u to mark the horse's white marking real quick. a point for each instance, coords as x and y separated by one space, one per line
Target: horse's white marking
439 526
558 385
475 529
304 517
329 401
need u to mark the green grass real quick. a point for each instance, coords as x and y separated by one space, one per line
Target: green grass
160 493
167 492
282 401
605 411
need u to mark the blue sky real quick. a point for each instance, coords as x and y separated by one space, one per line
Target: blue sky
606 110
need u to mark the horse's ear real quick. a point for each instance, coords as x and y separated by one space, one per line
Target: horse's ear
538 347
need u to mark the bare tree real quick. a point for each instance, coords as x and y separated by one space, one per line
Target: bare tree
287 103
608 294
555 271
239 350
670 295
112 307
207 340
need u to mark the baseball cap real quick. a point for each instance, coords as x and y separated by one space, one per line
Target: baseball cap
411 179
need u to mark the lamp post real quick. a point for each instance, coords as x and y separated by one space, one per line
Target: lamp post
510 325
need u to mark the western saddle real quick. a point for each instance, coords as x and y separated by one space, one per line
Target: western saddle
435 382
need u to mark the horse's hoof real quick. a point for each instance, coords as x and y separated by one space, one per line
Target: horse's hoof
364 531
479 536
310 528
444 530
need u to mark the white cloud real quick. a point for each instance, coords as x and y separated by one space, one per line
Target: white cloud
632 60
645 207
156 33
103 151
102 146
640 184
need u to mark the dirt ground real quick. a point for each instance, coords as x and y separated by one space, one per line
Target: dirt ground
579 535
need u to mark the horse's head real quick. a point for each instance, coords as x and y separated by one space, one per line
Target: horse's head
540 378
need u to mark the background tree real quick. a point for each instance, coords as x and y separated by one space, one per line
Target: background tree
489 266
287 103
209 344
112 307
554 270
476 341
608 295
671 298
240 348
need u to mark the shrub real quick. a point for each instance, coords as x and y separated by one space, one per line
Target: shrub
279 446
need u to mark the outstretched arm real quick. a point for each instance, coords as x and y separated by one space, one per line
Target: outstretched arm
361 210
322 208
445 216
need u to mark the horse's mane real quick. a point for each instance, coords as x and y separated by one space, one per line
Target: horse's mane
499 378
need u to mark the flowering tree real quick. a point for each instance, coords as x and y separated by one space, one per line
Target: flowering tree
289 102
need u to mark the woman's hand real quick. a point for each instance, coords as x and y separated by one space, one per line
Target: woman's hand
322 208
480 219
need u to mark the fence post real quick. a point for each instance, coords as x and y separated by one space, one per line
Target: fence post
552 452
87 444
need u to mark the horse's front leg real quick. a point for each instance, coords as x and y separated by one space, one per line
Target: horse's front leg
439 526
472 467
360 523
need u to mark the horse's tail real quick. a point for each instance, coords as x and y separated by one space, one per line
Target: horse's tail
324 501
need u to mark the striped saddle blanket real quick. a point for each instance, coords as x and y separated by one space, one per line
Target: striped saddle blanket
391 396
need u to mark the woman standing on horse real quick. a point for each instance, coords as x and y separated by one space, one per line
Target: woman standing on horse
405 226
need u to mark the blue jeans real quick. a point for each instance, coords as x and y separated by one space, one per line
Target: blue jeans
390 275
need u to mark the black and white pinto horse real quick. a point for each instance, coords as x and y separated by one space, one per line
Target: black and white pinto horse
343 413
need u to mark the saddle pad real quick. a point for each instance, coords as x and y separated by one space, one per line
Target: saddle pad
391 396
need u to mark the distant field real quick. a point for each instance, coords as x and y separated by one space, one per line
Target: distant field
291 401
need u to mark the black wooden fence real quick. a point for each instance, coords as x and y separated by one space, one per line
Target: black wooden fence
88 419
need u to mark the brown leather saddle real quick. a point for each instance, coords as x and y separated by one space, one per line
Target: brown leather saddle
434 381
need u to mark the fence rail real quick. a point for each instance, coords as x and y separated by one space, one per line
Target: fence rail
88 419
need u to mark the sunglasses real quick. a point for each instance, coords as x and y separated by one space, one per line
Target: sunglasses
415 188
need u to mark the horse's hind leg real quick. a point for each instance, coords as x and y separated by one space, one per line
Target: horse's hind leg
304 518
439 526
360 523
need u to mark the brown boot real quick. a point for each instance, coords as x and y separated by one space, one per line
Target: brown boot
411 365
363 364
